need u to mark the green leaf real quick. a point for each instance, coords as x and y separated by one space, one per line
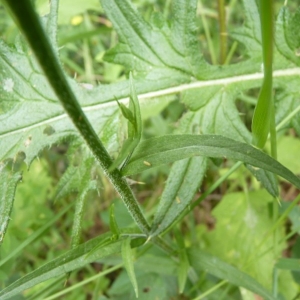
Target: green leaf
85 186
216 112
267 179
69 261
183 182
215 266
291 264
285 44
113 223
8 184
165 149
133 115
128 263
250 33
145 47
34 236
184 264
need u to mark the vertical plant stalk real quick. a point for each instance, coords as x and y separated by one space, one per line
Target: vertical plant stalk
27 20
207 35
263 121
222 31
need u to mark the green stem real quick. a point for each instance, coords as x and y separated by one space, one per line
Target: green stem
29 23
207 35
222 31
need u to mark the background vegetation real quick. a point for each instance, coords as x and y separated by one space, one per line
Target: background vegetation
240 240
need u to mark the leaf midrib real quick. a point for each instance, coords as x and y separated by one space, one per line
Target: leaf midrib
163 92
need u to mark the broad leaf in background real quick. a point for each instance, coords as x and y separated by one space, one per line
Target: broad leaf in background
205 262
239 238
8 184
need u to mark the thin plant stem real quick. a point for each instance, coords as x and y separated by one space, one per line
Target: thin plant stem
207 35
230 53
222 31
211 290
76 286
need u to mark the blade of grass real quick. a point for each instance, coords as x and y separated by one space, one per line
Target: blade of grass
80 284
35 235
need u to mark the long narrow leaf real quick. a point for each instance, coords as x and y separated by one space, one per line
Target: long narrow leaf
184 179
72 260
165 149
128 263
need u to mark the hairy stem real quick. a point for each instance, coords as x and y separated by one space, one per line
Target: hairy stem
27 20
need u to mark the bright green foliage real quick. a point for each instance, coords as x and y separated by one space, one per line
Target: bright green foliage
243 222
163 55
222 270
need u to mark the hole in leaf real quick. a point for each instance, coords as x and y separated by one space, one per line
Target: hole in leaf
18 160
28 141
49 130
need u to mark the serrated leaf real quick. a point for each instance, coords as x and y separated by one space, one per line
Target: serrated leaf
143 47
215 266
128 263
250 33
69 261
165 149
282 40
8 184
